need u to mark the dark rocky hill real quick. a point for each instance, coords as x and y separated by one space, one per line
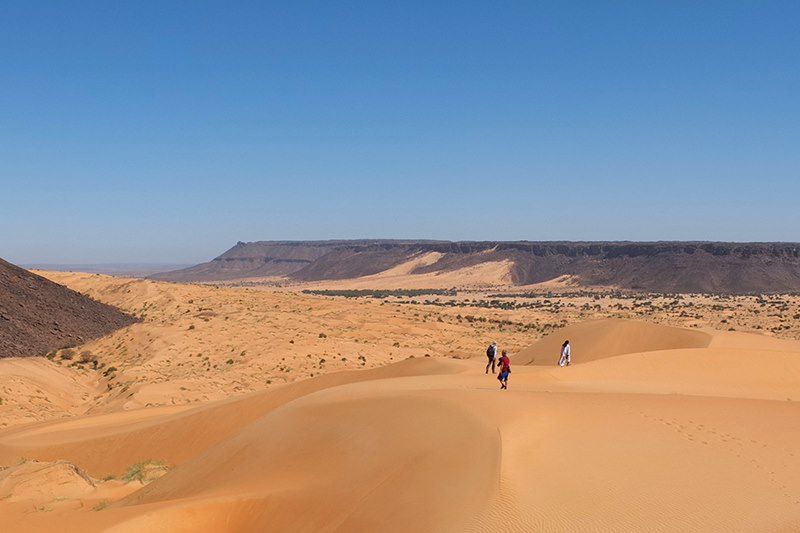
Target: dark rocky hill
713 267
37 315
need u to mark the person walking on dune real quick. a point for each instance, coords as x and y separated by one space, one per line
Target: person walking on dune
565 354
505 370
491 353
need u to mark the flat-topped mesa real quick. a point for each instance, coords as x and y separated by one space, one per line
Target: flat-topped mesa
716 267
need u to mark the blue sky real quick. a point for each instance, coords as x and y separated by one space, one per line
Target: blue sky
167 131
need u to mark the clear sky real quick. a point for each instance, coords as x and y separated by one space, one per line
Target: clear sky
166 131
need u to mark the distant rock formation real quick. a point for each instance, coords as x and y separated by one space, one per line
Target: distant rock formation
37 315
710 267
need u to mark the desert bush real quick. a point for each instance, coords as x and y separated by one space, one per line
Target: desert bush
87 357
138 471
100 506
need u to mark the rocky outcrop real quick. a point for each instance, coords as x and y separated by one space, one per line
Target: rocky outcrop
37 315
651 266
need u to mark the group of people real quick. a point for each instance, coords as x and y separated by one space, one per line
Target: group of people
505 363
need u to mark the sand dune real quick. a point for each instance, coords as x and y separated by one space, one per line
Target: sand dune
203 343
34 389
598 339
659 429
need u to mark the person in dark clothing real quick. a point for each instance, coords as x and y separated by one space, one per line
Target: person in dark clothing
491 354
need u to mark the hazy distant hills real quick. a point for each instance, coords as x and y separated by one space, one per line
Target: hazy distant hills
37 315
128 270
653 266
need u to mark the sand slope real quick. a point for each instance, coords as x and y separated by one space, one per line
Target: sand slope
201 343
662 429
34 389
486 274
598 339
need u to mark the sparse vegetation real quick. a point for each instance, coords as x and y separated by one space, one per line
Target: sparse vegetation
86 357
100 506
368 293
139 471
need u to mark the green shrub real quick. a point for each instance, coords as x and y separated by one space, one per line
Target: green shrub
138 471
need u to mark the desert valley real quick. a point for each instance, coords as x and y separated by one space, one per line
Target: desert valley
272 403
418 267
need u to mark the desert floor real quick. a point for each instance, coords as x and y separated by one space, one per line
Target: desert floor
233 408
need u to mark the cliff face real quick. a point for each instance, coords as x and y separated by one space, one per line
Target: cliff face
37 315
658 266
303 260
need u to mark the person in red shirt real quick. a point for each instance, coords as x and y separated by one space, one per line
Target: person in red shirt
505 370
